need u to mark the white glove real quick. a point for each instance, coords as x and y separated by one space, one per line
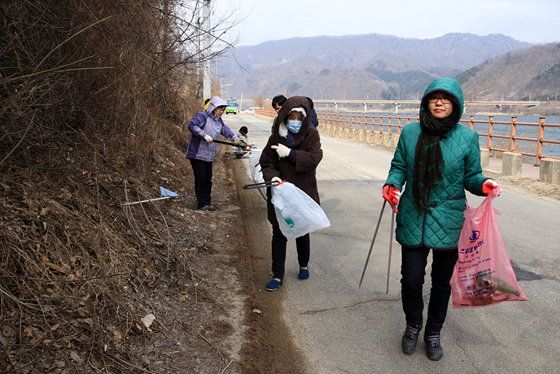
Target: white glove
282 150
276 179
208 138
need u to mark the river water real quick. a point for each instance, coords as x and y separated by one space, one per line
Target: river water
550 133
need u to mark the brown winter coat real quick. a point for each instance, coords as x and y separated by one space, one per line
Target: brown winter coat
308 155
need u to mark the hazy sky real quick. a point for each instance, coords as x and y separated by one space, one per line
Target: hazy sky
534 21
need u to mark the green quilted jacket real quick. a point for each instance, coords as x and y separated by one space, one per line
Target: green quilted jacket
440 228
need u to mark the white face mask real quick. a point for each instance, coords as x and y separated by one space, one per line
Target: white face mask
294 126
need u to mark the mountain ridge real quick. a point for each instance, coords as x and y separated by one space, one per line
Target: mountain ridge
529 74
366 65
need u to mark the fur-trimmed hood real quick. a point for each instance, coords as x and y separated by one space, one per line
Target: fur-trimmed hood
289 105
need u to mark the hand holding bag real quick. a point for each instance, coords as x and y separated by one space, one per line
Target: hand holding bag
297 213
483 274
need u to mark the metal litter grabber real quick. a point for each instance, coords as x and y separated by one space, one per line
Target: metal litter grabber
165 193
390 249
373 241
240 145
259 185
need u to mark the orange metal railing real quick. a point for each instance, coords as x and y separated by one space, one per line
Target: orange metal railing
372 122
266 112
512 138
368 122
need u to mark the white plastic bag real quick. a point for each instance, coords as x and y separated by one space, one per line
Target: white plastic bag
255 169
296 212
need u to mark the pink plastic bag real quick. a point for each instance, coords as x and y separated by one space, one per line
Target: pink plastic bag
483 274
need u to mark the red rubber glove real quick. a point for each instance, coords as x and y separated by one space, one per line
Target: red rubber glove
392 195
488 186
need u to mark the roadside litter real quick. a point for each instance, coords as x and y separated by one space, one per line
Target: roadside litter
241 152
164 192
242 135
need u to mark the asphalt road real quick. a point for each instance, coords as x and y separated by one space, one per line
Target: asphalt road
343 329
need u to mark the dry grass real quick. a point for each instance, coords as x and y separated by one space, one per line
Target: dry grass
93 95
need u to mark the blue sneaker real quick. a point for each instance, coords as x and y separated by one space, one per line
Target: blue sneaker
303 273
274 284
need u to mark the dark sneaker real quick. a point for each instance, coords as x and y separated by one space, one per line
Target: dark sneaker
208 208
303 273
273 284
410 338
433 346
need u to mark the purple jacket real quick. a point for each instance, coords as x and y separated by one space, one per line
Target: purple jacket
206 123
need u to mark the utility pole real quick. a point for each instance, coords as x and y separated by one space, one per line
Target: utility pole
206 81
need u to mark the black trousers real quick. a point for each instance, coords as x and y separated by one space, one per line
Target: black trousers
279 242
413 271
202 171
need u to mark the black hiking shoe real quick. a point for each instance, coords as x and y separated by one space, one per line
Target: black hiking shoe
410 338
433 346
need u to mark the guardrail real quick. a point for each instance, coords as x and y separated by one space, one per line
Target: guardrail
379 124
266 112
512 137
370 105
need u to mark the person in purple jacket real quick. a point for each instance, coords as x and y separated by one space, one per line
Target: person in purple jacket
206 126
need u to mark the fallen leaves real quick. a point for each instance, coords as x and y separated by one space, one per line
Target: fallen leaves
63 268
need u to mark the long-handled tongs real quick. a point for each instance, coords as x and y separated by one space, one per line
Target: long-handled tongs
259 185
373 241
240 145
390 248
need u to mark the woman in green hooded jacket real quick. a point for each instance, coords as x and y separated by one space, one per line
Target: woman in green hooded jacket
437 159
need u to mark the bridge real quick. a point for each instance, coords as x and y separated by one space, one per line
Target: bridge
417 102
334 103
397 103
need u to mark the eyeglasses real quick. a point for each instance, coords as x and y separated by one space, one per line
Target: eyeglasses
444 100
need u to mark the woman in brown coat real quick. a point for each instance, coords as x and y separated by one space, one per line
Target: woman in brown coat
292 154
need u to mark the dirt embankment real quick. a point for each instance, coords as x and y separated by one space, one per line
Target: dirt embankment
219 318
193 301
